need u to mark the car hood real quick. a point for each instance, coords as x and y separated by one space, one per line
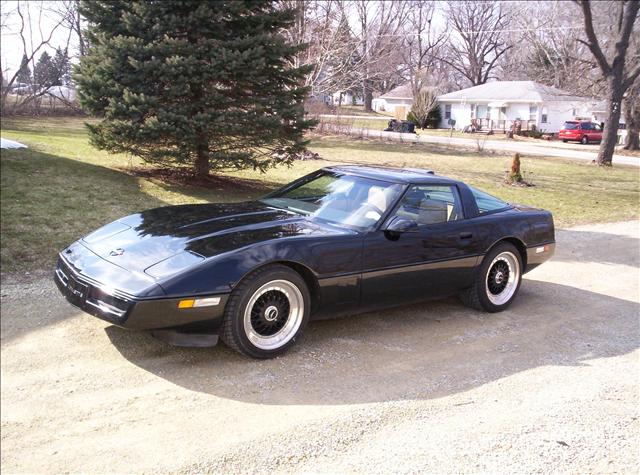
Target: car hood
162 241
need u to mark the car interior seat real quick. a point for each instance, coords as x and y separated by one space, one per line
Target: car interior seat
432 211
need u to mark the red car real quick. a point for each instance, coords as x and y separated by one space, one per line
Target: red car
583 132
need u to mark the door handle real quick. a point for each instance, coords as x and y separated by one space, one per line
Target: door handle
466 235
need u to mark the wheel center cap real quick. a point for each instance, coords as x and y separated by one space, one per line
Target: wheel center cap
499 277
271 313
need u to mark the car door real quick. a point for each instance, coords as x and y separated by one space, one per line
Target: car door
435 258
595 134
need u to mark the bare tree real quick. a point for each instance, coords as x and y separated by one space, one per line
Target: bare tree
478 40
422 45
30 49
618 74
379 27
545 49
35 39
72 21
330 55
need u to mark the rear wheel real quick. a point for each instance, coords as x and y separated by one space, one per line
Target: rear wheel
584 140
564 140
266 312
497 281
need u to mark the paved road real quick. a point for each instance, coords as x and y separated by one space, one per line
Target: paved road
367 117
549 149
551 385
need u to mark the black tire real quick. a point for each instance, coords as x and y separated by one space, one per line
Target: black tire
564 141
584 140
234 328
477 296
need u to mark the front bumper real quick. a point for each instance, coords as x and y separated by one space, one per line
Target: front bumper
118 308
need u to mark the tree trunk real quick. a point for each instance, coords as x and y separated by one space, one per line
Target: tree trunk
610 133
367 95
201 164
632 120
632 142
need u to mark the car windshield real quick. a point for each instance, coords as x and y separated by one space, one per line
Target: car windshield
346 200
570 125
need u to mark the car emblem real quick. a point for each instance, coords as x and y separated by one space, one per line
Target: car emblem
117 252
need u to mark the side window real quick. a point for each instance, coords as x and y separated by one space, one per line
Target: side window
430 204
447 111
486 202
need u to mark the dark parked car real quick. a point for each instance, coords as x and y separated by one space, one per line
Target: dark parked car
338 241
583 132
401 126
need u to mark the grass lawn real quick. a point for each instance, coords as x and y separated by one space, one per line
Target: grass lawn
359 111
61 188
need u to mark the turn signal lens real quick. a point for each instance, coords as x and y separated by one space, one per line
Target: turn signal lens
205 302
208 302
186 303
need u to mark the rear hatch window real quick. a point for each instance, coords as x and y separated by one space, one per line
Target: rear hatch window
571 125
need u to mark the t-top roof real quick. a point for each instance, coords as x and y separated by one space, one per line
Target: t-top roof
513 91
389 174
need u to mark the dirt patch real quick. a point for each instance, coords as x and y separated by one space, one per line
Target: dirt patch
548 386
184 176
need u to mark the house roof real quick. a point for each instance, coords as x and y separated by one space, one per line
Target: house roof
400 92
512 91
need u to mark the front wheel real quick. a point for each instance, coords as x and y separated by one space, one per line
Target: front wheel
584 140
266 312
497 281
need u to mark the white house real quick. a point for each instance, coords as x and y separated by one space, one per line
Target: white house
62 92
347 98
399 98
496 105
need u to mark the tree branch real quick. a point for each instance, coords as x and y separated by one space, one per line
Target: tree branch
593 44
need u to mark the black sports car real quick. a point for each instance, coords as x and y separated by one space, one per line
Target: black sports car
341 240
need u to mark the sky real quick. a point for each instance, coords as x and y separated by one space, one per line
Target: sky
39 26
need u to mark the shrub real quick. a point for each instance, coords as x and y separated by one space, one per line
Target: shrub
423 103
432 120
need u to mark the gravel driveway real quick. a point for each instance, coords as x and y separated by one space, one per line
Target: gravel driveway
550 385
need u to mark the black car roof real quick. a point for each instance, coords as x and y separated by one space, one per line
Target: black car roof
395 175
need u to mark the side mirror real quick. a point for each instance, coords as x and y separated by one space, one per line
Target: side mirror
400 225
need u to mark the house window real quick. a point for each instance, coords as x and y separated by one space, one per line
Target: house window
447 111
533 113
544 115
473 111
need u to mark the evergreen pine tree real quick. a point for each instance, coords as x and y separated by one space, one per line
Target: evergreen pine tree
24 73
62 68
44 72
192 83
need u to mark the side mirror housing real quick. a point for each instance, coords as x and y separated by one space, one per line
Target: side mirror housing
399 225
